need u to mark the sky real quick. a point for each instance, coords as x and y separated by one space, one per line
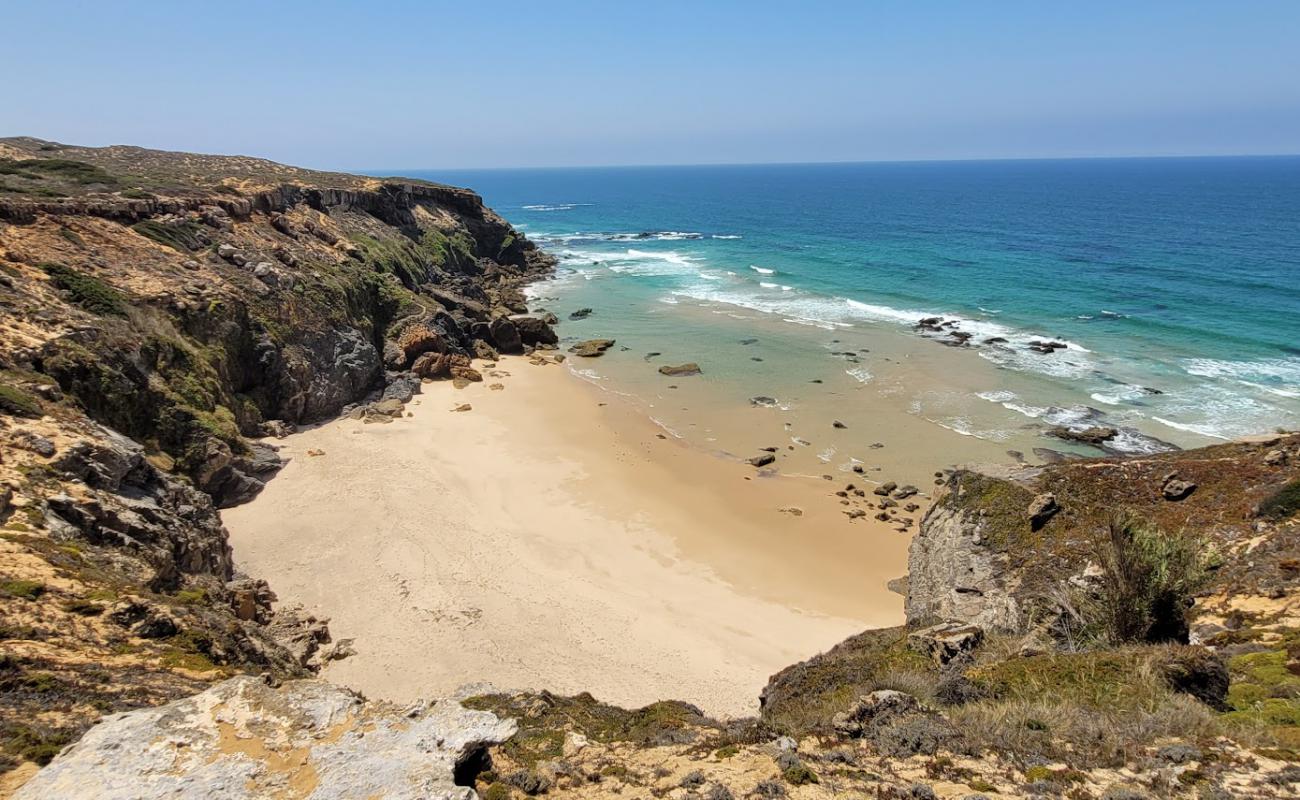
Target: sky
388 85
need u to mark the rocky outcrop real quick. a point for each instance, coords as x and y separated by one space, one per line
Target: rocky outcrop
244 739
954 572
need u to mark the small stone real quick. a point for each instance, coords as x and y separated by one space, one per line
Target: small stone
762 460
463 407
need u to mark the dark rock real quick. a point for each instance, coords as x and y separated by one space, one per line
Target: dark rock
402 387
762 460
885 488
762 401
581 313
533 330
505 335
1094 435
904 492
838 424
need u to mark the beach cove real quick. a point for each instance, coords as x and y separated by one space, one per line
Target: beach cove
552 537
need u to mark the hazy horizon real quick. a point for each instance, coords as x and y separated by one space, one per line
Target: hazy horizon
339 85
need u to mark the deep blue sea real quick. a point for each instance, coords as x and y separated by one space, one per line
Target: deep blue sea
1177 275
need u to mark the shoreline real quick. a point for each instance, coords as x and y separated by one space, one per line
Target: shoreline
552 537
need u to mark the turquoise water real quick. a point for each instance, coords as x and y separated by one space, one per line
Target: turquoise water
1174 282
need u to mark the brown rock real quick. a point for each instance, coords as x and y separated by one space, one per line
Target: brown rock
680 370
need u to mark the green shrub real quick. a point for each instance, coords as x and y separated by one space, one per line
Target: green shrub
25 590
138 194
17 402
1149 579
87 291
799 774
1283 503
184 237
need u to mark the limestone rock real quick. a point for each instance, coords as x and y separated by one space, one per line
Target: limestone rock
243 739
1041 509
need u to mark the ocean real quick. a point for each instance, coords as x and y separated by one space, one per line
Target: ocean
1167 291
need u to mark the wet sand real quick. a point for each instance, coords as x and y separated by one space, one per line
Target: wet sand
554 537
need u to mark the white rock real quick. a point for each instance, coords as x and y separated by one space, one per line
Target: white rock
243 739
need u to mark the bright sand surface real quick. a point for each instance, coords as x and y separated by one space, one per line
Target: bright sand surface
554 538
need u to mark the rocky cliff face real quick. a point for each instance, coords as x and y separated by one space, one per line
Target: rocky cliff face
160 311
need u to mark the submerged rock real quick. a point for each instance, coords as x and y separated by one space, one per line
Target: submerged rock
689 368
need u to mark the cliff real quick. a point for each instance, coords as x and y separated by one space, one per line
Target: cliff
160 312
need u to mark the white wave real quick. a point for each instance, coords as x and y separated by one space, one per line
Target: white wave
860 374
997 396
762 270
554 206
726 236
767 285
1203 429
785 288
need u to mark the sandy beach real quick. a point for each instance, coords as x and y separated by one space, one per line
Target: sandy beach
554 538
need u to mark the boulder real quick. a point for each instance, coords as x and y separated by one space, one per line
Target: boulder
762 459
885 488
680 370
533 330
242 739
402 387
421 338
461 372
1041 509
505 335
1174 489
591 348
946 641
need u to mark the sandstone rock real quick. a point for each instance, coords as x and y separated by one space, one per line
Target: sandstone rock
591 348
689 368
421 338
464 372
243 739
485 351
1041 509
946 641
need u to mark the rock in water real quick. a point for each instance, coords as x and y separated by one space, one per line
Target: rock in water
591 348
689 368
243 739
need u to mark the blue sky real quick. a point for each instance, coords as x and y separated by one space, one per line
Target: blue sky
444 85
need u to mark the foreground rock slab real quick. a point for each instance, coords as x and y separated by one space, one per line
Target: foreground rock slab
244 739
